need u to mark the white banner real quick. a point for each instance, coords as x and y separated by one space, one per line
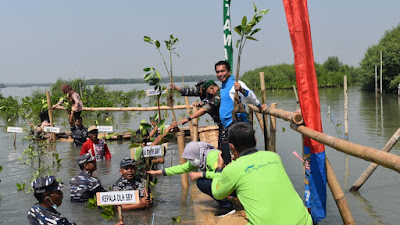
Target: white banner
117 197
15 129
105 128
52 129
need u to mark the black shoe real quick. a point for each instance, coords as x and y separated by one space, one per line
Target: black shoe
224 212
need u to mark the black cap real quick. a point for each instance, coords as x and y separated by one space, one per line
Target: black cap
47 183
127 162
87 157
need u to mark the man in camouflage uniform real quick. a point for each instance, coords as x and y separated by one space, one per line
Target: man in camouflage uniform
128 182
48 192
78 132
85 186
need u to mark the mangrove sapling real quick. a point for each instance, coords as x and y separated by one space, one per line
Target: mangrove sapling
171 46
106 211
153 78
246 32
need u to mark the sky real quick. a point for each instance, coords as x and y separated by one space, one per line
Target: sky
43 40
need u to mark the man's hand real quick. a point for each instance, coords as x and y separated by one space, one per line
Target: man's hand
183 121
220 160
144 203
195 175
198 104
158 160
262 108
174 87
237 86
155 172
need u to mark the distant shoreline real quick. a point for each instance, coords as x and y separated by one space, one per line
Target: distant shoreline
192 78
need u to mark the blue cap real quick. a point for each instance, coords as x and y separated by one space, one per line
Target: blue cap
47 183
87 157
127 162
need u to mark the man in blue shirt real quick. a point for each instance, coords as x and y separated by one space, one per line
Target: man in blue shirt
228 88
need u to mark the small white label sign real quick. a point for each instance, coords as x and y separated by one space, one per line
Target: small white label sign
152 92
117 197
52 129
105 128
152 151
14 129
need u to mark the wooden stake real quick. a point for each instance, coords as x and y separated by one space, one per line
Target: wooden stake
272 135
265 116
119 210
372 167
260 120
376 81
338 194
188 109
251 115
181 146
15 138
381 73
346 121
195 126
50 111
295 93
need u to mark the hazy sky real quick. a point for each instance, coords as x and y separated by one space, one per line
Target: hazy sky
43 40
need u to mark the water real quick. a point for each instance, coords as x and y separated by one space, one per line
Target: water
370 123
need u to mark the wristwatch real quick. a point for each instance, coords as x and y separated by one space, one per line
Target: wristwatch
189 118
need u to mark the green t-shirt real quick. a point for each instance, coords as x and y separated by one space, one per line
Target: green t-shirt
263 188
211 165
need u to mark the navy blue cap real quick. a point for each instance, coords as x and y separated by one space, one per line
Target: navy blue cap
47 183
127 162
87 157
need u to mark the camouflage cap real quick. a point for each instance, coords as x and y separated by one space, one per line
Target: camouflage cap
87 157
47 183
128 162
208 84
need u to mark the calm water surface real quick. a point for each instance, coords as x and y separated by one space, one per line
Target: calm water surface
371 123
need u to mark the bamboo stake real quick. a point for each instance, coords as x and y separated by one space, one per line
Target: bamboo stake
338 194
376 81
153 108
15 138
272 135
381 74
251 115
188 109
346 121
260 120
195 126
294 117
181 146
372 167
50 111
265 116
119 209
295 93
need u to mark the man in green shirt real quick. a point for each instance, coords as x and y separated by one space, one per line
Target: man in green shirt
260 181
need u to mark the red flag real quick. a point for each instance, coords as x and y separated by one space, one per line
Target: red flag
307 86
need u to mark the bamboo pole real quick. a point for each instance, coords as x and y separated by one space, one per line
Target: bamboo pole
346 120
372 167
294 117
385 159
260 120
195 126
50 111
152 108
381 74
376 81
295 93
15 138
188 109
181 146
119 210
265 116
251 115
272 134
338 194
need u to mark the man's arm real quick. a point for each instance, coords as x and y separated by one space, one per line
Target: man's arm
223 183
248 94
199 113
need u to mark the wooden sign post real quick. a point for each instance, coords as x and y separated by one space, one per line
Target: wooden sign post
15 130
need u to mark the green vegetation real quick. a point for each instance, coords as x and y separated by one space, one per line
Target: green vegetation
283 76
390 47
